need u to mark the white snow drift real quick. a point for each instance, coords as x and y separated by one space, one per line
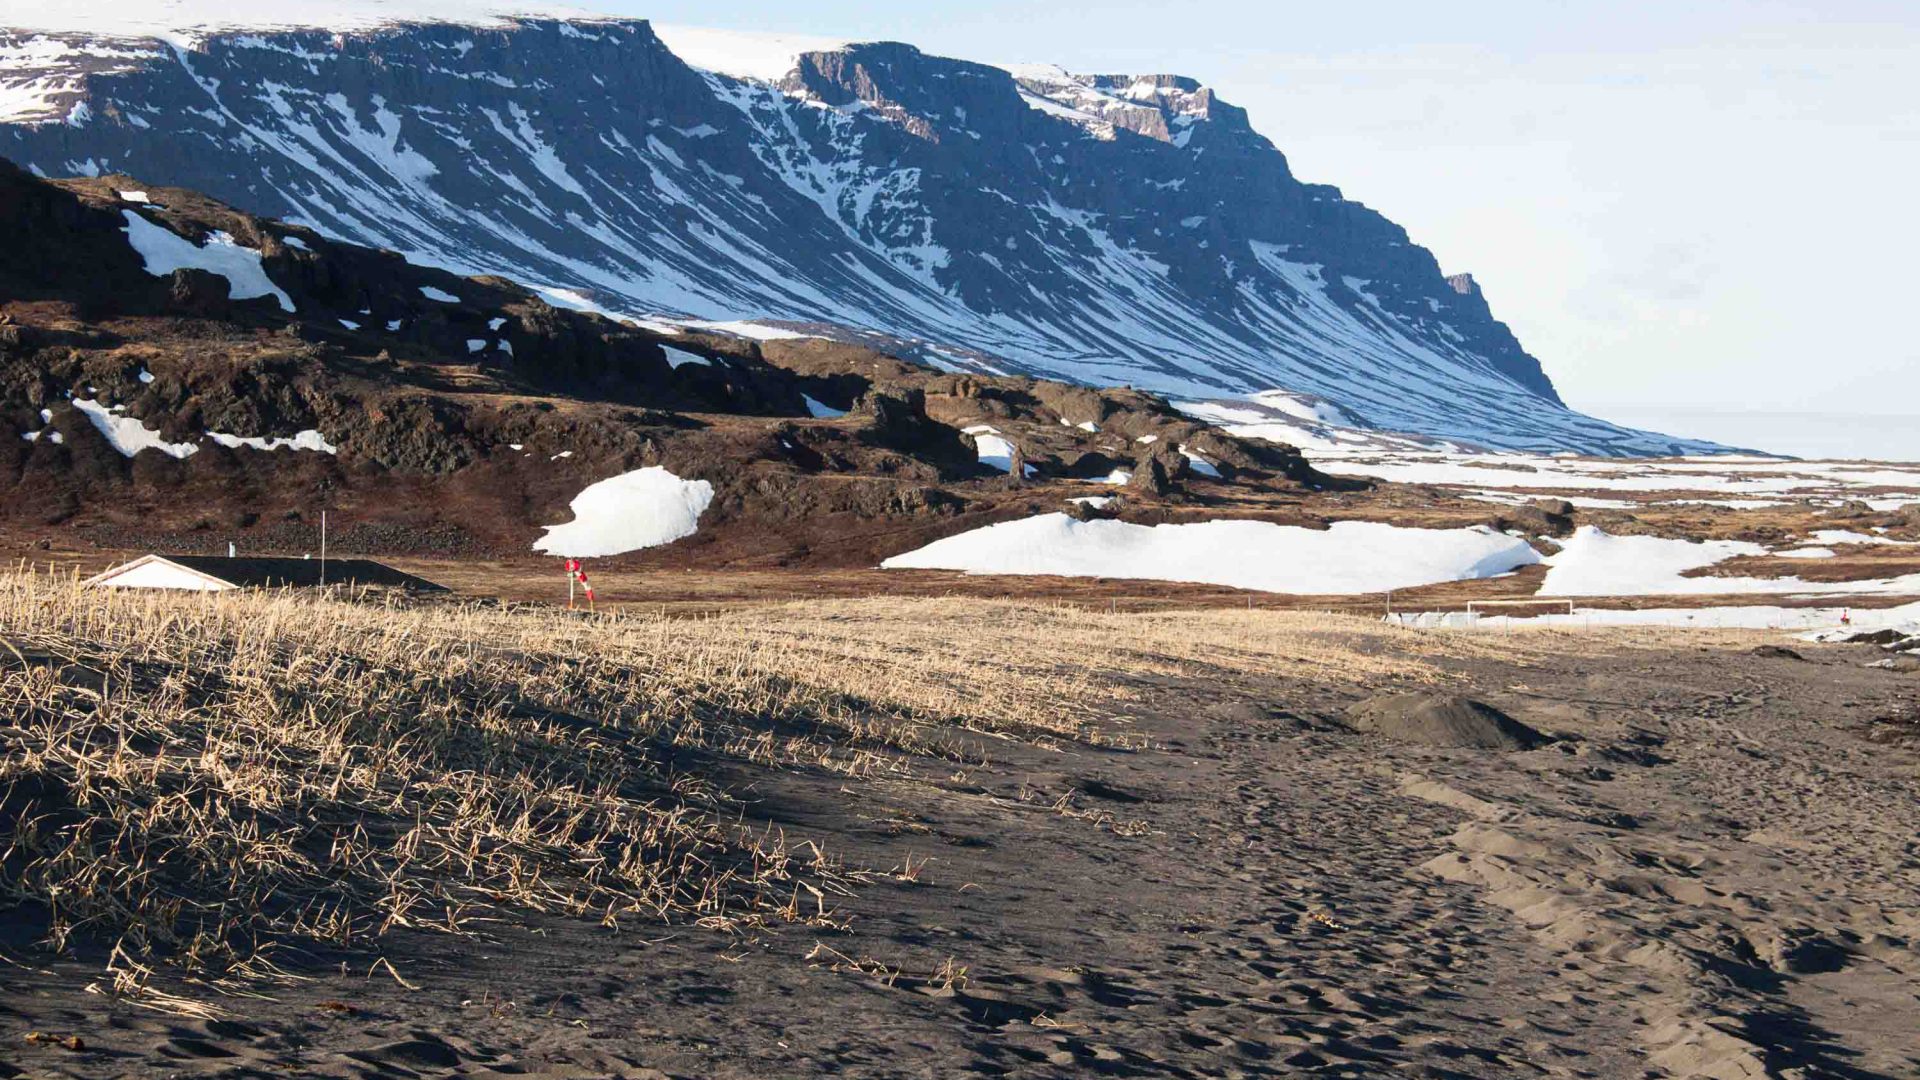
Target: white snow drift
639 509
165 251
994 449
1593 562
744 54
820 410
679 358
310 439
128 435
1199 464
1349 557
1826 622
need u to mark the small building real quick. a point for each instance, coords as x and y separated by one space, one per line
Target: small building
217 573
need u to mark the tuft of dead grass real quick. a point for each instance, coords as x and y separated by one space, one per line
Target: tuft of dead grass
204 781
1065 668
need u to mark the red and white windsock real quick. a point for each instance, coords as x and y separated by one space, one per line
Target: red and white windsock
579 573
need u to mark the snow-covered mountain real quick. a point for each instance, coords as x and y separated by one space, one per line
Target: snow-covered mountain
1099 228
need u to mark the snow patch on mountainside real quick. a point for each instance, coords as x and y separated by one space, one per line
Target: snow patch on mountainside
39 76
179 20
640 509
165 251
679 358
820 410
128 434
995 451
310 440
743 54
1516 478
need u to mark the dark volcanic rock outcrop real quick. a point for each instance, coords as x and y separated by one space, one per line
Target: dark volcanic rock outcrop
162 404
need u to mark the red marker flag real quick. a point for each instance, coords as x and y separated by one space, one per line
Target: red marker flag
579 573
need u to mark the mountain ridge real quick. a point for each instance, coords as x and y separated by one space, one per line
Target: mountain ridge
176 373
1109 230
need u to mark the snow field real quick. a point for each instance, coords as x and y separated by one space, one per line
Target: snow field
1350 557
1593 562
1820 623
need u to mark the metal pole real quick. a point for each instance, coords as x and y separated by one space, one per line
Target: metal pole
323 548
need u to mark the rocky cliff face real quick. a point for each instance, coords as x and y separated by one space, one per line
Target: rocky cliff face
1101 229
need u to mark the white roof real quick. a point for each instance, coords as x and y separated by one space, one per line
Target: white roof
156 572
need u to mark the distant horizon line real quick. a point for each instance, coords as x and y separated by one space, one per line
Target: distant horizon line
1709 410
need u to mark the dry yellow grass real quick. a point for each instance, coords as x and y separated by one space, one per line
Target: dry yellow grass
1066 668
203 780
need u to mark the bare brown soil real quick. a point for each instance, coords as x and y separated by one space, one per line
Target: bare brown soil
1851 562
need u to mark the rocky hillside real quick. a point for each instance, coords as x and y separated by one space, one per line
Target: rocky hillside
1107 230
175 373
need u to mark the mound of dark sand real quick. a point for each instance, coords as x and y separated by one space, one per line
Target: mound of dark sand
1442 720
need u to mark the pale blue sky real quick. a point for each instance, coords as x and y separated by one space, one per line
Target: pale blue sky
1710 207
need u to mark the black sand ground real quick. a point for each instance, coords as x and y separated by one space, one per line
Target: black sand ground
1712 872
